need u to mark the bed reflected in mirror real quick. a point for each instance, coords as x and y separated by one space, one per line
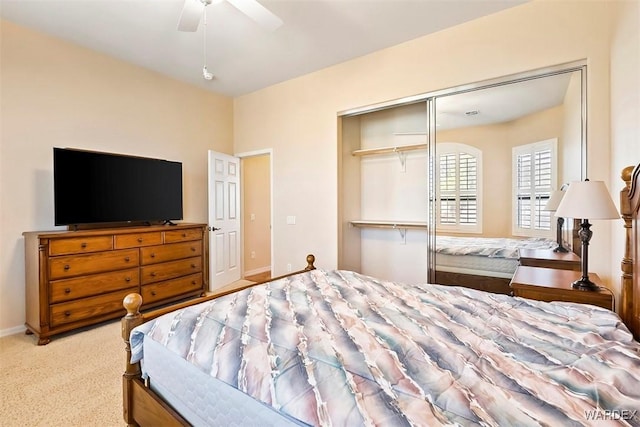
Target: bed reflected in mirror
499 153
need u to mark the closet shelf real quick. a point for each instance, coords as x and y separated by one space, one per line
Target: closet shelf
386 150
389 224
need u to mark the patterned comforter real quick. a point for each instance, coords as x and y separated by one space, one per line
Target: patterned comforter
494 247
340 348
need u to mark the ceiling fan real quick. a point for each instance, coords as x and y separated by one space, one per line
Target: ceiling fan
193 11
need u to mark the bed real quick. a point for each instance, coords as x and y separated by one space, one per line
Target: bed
484 263
340 348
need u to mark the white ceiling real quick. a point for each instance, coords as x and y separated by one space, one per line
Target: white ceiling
242 55
500 104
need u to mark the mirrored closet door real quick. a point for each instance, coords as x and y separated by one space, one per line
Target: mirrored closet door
499 152
422 180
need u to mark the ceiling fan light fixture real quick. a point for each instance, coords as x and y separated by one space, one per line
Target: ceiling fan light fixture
206 74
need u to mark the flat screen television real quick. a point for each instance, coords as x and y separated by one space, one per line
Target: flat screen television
93 187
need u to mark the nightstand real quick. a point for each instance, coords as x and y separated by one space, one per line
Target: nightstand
551 284
549 259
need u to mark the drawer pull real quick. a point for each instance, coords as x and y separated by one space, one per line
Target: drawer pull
153 293
193 266
67 267
67 291
184 234
127 279
193 249
152 255
83 245
126 259
193 282
67 313
139 239
153 274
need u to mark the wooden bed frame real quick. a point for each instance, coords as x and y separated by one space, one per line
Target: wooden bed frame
142 406
630 288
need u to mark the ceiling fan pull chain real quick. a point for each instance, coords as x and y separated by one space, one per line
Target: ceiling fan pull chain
205 73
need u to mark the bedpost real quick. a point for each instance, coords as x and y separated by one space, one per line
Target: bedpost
310 260
629 200
131 303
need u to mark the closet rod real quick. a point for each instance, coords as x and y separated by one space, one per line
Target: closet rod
385 150
389 224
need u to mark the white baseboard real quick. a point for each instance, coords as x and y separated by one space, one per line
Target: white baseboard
12 331
257 271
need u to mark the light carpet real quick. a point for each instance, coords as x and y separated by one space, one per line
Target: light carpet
75 380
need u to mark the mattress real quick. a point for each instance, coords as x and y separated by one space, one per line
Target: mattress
341 348
484 256
201 399
478 265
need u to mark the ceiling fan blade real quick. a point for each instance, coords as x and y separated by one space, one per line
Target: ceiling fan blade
254 10
191 14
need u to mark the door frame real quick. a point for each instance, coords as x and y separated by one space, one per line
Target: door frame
242 156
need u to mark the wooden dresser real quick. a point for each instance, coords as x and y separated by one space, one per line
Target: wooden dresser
79 278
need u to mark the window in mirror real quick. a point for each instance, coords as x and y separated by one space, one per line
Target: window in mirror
534 174
458 188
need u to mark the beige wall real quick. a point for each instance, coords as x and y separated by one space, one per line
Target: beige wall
297 118
55 94
625 110
256 207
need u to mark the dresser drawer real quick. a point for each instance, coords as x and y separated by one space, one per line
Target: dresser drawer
96 284
125 241
171 288
87 308
170 270
183 235
75 265
78 278
155 254
80 245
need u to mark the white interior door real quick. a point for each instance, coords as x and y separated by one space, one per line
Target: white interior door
224 219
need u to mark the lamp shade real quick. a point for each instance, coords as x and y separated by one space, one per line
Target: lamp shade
587 200
554 201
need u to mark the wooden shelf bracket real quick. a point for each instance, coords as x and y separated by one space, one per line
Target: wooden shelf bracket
402 156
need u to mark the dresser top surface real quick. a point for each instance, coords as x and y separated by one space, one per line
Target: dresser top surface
550 278
111 231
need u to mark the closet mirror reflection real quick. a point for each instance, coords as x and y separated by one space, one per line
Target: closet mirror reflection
498 152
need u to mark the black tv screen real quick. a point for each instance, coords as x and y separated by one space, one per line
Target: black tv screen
93 187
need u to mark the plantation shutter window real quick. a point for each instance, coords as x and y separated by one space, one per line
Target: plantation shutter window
534 174
458 187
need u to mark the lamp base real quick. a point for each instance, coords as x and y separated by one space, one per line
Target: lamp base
561 249
585 284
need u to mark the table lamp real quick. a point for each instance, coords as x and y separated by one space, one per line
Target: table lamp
552 205
586 199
